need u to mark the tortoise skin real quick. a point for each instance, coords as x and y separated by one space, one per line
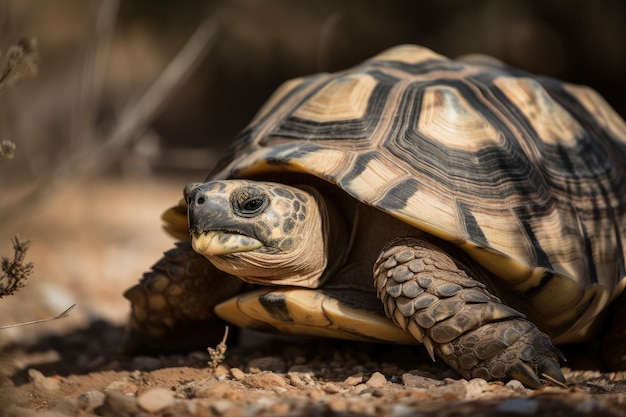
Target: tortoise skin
524 173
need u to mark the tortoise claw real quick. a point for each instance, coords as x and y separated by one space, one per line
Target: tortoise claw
525 374
551 371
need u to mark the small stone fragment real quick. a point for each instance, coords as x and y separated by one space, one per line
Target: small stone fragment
156 399
45 383
295 379
117 404
353 380
377 380
264 380
237 373
412 380
90 400
331 388
515 385
474 388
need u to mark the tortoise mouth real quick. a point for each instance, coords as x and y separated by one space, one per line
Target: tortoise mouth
221 242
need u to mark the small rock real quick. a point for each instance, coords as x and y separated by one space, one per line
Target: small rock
296 380
331 388
264 380
267 363
451 391
519 406
117 404
358 388
44 383
412 380
237 373
217 389
377 380
474 388
156 399
122 386
515 385
351 381
90 400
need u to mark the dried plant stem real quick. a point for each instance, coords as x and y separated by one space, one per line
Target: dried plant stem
218 354
58 316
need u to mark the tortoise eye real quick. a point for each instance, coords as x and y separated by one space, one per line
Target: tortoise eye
253 204
249 202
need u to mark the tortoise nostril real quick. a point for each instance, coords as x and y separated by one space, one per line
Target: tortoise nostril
200 200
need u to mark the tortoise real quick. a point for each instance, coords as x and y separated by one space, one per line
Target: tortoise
463 205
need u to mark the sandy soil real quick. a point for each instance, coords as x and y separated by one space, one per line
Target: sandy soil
94 238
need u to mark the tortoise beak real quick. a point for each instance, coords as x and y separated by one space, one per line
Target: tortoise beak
213 227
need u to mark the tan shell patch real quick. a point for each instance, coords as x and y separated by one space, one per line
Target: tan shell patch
345 98
552 123
447 118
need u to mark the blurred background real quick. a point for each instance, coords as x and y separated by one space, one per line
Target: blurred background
102 147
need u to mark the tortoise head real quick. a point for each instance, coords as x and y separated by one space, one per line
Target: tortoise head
264 233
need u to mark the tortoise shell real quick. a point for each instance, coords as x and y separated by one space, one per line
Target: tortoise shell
526 174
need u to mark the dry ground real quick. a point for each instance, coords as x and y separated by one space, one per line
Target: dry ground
94 238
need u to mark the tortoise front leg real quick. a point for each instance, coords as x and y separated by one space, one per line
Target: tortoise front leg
425 292
172 305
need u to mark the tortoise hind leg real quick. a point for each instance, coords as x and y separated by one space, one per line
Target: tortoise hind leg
425 292
172 305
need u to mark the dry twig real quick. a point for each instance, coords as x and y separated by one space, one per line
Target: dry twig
65 313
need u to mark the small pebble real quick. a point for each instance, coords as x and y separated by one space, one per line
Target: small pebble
265 380
418 381
156 399
45 383
117 404
90 400
515 385
237 373
295 379
351 381
331 388
475 387
519 406
377 380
